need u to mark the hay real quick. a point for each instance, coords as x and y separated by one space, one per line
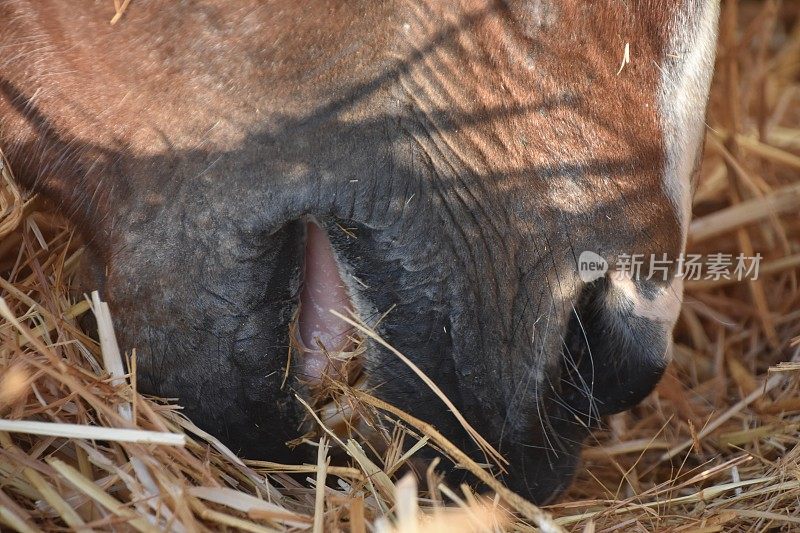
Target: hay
714 448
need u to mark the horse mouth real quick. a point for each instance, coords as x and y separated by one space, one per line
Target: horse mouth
326 349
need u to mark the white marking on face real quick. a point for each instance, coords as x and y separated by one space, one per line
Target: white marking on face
685 79
664 307
661 308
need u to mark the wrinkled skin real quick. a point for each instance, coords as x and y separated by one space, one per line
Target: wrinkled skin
474 149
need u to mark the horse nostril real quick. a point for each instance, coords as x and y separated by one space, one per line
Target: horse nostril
612 357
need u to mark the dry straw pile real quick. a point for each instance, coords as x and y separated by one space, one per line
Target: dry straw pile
715 448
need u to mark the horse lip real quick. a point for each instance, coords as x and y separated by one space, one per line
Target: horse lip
322 336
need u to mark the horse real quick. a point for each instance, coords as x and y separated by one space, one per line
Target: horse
240 170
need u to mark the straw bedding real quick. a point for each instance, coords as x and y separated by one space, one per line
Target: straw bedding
714 448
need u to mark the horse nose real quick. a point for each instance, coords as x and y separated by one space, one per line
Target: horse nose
609 353
618 343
